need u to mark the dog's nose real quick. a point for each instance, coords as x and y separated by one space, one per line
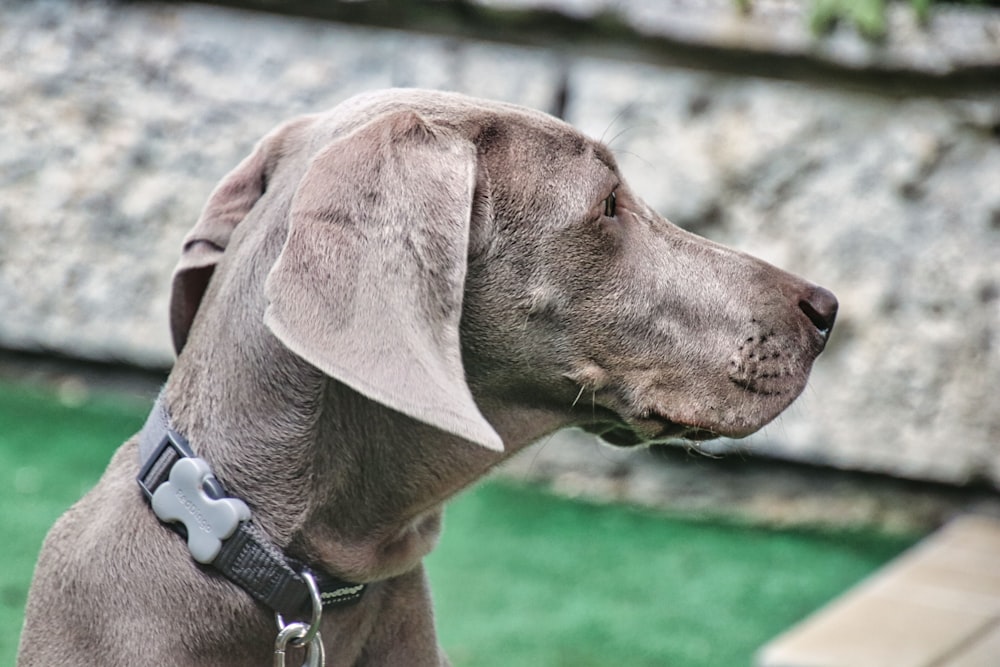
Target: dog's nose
820 306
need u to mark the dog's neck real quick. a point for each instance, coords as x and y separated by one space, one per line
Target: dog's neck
336 479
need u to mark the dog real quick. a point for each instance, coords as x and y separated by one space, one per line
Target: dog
376 307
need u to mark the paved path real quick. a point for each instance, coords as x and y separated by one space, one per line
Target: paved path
937 605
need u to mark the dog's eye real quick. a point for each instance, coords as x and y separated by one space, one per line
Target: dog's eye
610 205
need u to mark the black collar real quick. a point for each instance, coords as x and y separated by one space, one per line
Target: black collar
219 529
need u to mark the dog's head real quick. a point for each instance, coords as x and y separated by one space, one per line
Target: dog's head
655 332
438 251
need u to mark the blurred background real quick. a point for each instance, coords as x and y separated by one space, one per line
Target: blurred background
855 142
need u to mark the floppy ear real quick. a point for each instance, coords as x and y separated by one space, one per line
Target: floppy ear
368 287
229 203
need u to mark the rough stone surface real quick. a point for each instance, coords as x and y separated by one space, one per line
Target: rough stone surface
117 121
747 489
894 204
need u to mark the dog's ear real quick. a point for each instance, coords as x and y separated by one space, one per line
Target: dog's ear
368 287
204 245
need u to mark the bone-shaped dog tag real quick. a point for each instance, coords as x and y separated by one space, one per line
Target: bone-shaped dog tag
208 520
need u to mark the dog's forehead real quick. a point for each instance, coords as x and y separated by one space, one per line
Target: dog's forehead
525 136
546 163
539 153
492 125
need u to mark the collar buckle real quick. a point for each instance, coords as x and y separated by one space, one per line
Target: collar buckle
156 466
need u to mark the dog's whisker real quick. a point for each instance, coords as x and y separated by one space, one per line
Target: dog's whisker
620 133
624 110
697 448
638 157
539 446
651 124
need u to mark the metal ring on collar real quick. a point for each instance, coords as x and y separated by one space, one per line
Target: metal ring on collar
312 629
295 632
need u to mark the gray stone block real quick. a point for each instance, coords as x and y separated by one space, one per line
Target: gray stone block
119 119
891 203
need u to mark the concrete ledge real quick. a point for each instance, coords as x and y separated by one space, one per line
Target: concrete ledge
938 605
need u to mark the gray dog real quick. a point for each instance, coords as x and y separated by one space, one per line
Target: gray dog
376 307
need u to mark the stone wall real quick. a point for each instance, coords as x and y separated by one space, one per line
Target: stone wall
117 121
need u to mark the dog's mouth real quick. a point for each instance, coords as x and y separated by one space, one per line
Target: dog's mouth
651 430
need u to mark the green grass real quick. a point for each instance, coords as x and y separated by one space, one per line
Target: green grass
520 577
50 454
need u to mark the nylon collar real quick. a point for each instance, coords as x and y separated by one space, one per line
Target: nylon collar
186 497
